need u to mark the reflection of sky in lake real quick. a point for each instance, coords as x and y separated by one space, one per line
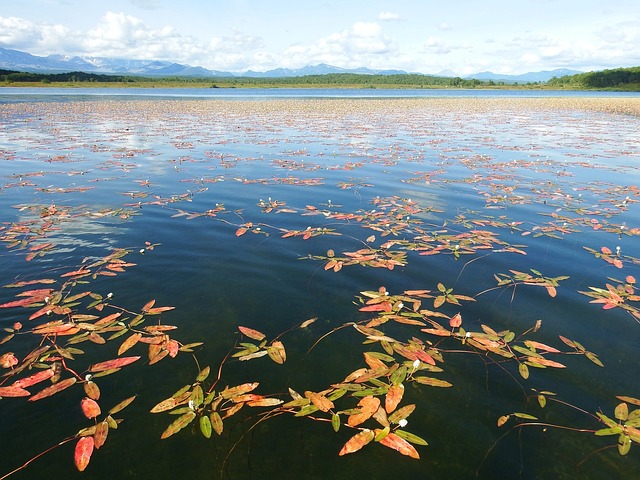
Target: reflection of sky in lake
189 175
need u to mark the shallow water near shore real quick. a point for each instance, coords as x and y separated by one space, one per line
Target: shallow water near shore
267 213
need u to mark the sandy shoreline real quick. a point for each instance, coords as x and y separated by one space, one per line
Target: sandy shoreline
617 105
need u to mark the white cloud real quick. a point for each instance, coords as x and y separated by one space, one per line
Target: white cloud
388 16
364 44
437 46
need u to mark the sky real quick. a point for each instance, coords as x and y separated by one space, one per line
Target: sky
459 37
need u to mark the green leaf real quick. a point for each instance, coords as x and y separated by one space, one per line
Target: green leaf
399 375
594 358
381 433
542 400
335 422
204 373
401 413
122 405
432 382
178 424
205 426
525 416
622 412
624 444
197 396
410 437
524 371
609 431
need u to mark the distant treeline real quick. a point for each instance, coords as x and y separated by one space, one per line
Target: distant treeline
12 76
619 78
354 79
360 80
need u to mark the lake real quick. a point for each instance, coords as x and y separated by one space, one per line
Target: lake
397 264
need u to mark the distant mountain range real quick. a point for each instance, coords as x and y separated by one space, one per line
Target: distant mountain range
25 62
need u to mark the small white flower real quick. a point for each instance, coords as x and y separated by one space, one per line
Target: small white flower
192 405
88 377
416 363
467 335
403 422
109 295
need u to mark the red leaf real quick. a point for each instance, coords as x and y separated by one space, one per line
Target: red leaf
13 391
76 273
172 347
157 310
455 321
378 307
400 444
251 333
358 441
33 379
102 430
8 360
19 303
148 305
90 408
110 364
53 389
83 451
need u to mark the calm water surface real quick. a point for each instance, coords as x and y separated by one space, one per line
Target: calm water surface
93 171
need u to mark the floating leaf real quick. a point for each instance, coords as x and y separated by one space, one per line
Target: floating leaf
122 405
239 390
178 424
251 333
100 435
631 400
111 364
168 404
277 352
358 441
594 358
335 422
319 401
401 413
33 379
455 321
622 412
624 444
13 391
265 402
308 322
432 382
368 406
53 389
542 400
400 444
83 451
205 426
204 373
503 419
525 416
410 437
90 407
393 397
129 342
524 370
216 422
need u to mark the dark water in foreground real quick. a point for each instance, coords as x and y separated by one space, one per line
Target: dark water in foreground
456 195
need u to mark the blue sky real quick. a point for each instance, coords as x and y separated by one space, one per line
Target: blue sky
461 37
